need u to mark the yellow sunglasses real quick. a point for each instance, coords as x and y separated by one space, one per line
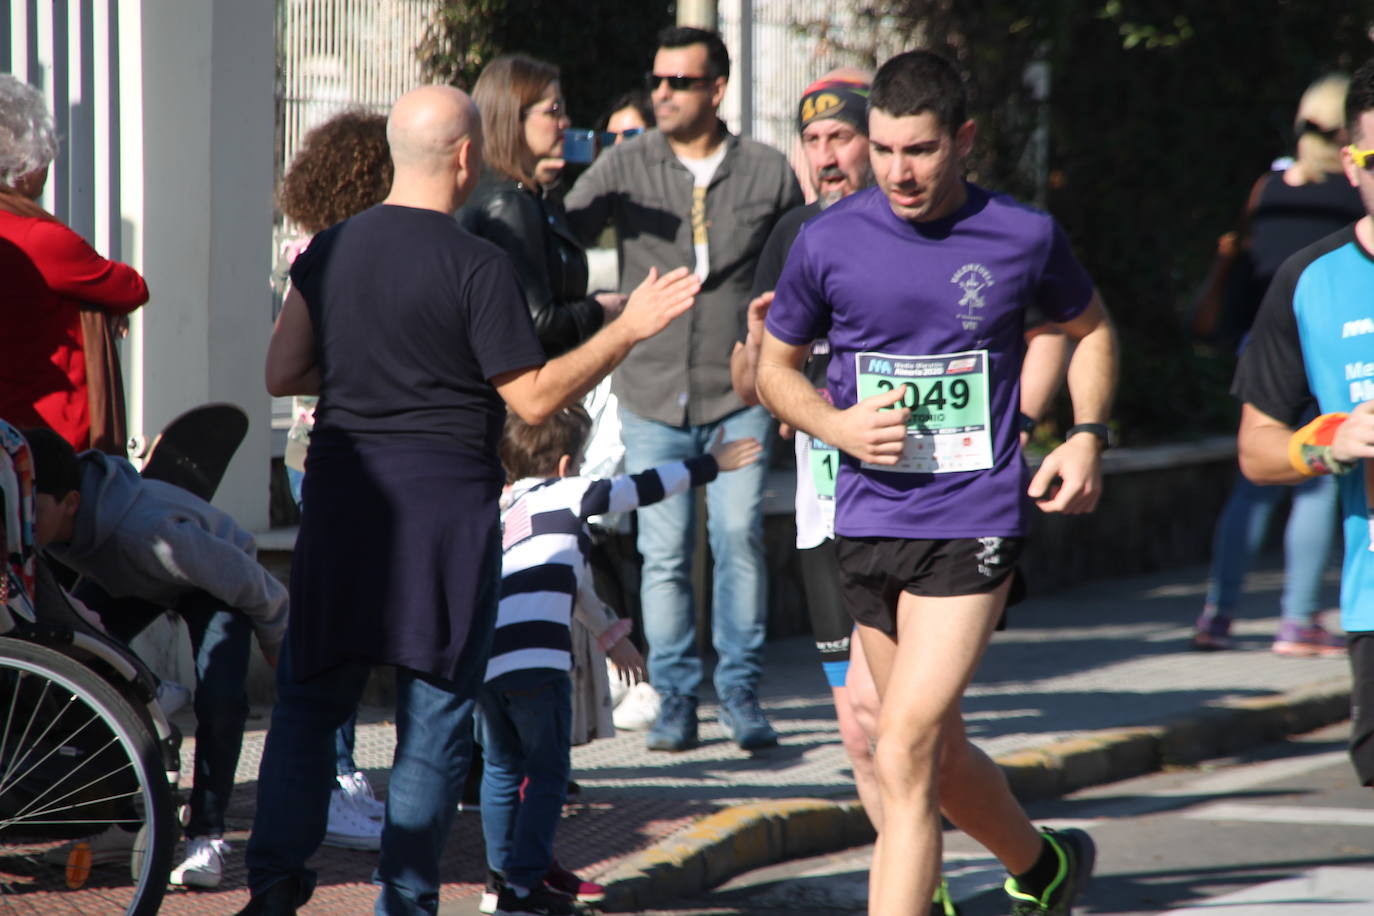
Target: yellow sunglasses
1364 158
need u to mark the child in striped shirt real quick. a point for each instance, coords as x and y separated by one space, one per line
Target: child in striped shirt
525 707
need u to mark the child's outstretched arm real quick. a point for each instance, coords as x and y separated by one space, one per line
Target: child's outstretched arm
735 454
630 491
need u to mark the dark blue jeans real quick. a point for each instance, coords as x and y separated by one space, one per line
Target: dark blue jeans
222 642
433 747
524 724
433 744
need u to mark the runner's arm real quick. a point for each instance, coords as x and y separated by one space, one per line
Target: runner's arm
291 365
1042 370
867 430
1093 366
1265 444
1092 386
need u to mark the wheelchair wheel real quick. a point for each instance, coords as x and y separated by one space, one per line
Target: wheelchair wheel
85 809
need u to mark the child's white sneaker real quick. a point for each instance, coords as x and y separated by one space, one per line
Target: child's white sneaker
618 686
203 865
359 790
348 827
639 709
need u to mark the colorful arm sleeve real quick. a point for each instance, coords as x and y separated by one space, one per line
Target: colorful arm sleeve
1309 448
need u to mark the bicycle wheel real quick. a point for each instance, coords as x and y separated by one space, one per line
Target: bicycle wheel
85 809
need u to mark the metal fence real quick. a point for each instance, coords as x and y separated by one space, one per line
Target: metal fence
779 47
338 54
71 52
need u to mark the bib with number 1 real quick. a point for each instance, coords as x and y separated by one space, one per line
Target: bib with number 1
947 394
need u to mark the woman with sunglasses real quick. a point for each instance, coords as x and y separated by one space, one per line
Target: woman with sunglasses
630 115
523 119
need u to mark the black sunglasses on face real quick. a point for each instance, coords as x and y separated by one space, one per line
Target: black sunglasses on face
1329 134
677 82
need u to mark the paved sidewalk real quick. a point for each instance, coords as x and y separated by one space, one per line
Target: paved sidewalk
1087 686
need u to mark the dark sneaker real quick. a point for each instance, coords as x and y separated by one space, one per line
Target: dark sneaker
565 882
1212 632
943 904
740 712
542 901
1077 852
676 726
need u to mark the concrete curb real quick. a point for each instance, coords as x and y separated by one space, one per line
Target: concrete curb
752 835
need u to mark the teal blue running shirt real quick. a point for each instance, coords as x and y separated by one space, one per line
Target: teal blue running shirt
1313 342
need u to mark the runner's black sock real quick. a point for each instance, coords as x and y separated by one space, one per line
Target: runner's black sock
1038 877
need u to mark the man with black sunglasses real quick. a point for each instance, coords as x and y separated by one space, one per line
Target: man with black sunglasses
690 192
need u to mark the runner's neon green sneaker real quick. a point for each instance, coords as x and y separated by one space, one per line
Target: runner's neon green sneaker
943 904
1076 852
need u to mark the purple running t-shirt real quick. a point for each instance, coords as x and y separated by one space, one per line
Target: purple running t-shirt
938 309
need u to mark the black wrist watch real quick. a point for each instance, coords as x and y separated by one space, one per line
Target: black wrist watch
1027 423
1101 430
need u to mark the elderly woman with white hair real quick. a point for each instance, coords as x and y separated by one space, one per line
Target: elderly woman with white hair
58 366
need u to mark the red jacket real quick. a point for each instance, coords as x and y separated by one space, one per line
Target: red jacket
47 273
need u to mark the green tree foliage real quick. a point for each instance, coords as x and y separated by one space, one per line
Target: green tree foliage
1161 122
1160 117
602 47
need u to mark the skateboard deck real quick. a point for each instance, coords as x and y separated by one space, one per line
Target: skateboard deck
193 451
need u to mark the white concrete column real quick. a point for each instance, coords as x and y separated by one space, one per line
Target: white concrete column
701 14
202 222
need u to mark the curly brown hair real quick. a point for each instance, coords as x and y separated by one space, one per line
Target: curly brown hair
342 168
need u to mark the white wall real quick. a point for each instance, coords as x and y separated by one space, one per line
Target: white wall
166 113
207 135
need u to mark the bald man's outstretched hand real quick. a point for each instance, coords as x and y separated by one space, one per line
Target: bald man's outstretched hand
657 301
536 392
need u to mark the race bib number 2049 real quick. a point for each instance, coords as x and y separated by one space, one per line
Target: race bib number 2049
947 395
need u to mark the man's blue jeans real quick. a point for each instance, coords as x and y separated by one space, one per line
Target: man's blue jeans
433 745
221 643
524 724
433 748
1308 539
734 505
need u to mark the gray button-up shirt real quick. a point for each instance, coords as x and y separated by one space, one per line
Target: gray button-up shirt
682 375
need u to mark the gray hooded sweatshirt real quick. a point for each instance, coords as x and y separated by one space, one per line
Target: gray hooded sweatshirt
146 539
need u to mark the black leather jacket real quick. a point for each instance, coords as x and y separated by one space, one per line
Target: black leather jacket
549 262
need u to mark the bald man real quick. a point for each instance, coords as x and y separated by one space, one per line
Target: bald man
415 336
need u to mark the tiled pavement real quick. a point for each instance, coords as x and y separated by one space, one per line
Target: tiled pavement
1090 684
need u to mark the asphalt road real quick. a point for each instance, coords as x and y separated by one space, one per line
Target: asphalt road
1283 830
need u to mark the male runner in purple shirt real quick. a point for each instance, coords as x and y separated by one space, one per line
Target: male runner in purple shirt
920 286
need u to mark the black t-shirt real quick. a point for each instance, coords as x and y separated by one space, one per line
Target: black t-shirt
769 269
1273 372
412 316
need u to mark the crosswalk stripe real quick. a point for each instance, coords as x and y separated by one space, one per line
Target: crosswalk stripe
1284 814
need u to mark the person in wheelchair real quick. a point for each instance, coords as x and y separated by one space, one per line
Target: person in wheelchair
143 547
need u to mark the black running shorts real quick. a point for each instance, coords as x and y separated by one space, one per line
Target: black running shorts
875 571
1361 647
831 625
